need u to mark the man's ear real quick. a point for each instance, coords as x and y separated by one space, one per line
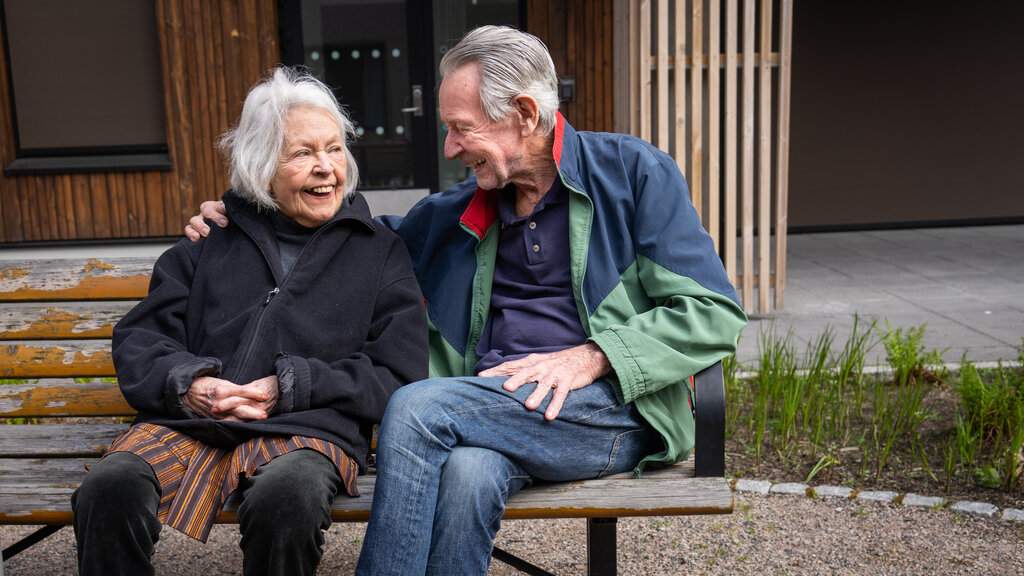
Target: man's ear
529 114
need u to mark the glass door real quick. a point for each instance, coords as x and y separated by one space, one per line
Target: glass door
381 58
451 22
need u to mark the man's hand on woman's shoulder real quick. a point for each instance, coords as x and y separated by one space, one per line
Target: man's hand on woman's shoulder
212 209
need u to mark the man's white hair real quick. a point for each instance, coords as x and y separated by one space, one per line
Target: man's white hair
511 63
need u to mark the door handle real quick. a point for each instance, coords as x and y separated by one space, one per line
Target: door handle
417 101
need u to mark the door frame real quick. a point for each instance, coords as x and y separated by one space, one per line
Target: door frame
419 48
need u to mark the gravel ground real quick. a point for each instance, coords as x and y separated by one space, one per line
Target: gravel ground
774 534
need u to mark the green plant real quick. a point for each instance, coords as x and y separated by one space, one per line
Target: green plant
775 368
949 463
826 461
906 353
850 363
809 408
897 406
1014 459
990 431
735 391
988 476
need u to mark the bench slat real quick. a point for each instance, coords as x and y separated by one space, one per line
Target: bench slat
74 279
42 358
57 440
64 320
59 397
39 491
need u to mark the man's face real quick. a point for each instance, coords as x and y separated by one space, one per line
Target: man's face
494 150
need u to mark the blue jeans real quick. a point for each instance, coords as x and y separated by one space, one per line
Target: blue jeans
452 450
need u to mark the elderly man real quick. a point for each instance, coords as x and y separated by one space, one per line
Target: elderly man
571 291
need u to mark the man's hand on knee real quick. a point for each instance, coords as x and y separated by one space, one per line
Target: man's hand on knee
557 372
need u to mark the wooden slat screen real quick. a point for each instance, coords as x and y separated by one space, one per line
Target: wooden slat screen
682 53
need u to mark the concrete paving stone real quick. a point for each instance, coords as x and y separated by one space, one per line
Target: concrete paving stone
941 332
833 491
980 354
789 488
832 286
970 257
972 311
877 496
1007 292
988 249
938 267
1011 273
978 508
908 278
756 486
1012 515
868 267
928 288
1007 232
923 501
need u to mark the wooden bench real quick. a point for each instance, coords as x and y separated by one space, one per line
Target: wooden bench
56 318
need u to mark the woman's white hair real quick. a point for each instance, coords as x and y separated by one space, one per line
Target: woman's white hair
254 146
511 63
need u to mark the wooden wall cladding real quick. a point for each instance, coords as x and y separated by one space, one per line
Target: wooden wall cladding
579 36
211 54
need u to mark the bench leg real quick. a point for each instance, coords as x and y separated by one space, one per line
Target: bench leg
602 557
28 541
601 547
515 562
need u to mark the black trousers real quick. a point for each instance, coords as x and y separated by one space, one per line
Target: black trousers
286 506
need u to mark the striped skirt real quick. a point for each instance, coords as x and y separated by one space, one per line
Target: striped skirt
196 479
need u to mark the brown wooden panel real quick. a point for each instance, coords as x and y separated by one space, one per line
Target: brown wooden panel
7 150
100 198
66 212
56 441
579 37
607 66
76 320
84 222
29 224
211 55
59 397
44 358
75 279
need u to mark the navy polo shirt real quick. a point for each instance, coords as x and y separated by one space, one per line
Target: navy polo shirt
532 304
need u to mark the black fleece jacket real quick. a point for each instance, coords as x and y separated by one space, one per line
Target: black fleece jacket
342 331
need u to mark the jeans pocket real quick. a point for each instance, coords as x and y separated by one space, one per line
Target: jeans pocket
627 450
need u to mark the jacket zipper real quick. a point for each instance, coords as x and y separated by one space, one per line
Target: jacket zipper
255 334
269 298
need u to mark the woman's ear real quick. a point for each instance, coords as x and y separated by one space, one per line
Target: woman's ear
529 114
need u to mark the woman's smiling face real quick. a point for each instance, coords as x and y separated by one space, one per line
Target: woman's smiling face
309 183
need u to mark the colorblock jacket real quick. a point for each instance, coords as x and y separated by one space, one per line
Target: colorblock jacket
342 330
648 285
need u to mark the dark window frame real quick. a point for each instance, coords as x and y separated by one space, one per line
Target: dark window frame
71 160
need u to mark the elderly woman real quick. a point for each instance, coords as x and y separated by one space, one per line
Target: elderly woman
262 356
